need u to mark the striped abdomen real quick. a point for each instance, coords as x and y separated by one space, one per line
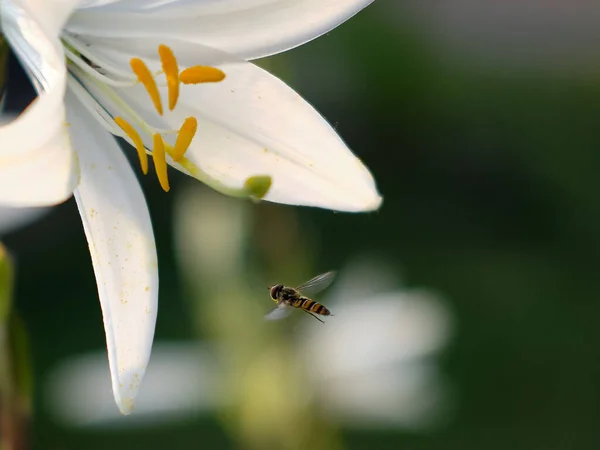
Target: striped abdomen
309 305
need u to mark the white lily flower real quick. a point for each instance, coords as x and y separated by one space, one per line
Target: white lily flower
242 131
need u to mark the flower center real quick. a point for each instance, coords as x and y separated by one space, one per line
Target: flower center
185 135
88 72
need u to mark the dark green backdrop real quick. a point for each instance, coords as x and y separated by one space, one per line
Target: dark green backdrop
491 185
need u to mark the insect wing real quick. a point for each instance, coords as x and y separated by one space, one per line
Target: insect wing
317 284
281 312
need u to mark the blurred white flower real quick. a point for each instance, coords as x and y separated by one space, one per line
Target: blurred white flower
373 363
255 136
181 381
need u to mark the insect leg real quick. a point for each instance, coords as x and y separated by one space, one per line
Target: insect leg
313 315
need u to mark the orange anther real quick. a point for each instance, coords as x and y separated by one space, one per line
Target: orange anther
201 74
184 138
145 77
171 70
160 162
137 140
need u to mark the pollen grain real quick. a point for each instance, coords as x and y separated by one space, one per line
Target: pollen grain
137 140
145 77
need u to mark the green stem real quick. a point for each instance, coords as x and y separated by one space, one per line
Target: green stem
7 418
14 368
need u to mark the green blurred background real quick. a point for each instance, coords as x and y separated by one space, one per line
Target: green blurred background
480 125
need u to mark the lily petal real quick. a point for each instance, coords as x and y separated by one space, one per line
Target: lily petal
52 14
119 233
249 29
32 28
37 168
254 124
251 124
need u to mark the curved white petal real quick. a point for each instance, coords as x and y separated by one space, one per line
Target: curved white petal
32 29
254 124
119 232
249 29
37 168
37 165
52 14
119 53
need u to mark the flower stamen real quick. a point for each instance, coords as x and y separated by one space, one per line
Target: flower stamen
160 161
201 74
85 82
184 138
171 70
137 140
145 77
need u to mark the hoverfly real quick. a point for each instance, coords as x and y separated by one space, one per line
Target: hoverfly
288 298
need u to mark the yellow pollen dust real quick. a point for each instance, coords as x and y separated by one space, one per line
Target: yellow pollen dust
184 138
171 70
201 74
160 161
137 140
145 77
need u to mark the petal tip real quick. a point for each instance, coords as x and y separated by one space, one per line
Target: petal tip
375 204
126 390
126 406
369 201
